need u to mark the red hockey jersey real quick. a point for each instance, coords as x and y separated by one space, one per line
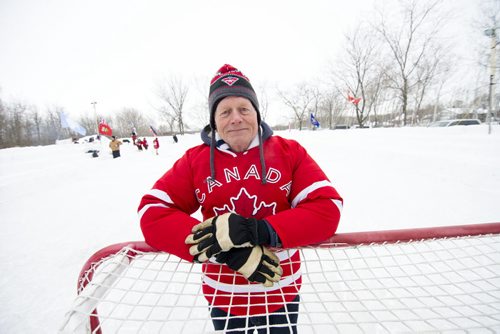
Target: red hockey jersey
297 200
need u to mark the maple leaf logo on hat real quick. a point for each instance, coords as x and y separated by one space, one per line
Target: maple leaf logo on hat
230 80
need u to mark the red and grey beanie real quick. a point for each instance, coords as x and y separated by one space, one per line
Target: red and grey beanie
229 81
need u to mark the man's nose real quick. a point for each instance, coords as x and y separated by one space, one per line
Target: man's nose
235 117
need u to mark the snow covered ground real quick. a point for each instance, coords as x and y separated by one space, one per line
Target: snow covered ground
58 205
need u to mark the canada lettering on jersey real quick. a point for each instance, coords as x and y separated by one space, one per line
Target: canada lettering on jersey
273 176
287 187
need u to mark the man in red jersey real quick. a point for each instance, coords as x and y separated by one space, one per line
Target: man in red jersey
257 192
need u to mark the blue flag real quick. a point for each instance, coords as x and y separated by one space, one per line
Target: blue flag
314 121
67 122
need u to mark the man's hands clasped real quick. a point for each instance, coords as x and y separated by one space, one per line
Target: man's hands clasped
221 233
236 241
256 264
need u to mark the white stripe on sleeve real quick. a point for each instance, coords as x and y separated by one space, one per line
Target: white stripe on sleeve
339 204
146 207
160 194
306 191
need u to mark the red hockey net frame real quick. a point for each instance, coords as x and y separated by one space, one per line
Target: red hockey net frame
461 292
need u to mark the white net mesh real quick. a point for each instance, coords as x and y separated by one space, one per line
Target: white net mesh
443 285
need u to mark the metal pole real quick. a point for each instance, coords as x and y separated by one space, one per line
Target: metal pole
96 120
492 34
492 77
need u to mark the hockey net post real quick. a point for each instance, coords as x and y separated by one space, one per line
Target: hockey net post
427 280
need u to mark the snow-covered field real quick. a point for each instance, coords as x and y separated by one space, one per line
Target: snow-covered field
58 205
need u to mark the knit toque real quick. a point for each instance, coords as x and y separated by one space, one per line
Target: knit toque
229 81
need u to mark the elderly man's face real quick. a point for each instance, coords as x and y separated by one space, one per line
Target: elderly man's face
236 122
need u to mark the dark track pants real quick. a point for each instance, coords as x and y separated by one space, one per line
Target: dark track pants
276 318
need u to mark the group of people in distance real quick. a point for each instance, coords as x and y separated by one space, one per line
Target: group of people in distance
141 144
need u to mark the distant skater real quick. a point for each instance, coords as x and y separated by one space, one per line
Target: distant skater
138 143
114 145
156 145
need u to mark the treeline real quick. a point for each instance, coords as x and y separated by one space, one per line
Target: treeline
25 125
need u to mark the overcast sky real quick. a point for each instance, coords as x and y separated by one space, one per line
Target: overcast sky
70 53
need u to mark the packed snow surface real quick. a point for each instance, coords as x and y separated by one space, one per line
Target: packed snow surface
58 205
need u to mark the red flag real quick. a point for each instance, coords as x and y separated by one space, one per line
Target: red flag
353 100
104 128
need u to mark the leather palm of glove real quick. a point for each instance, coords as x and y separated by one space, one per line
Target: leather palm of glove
224 232
257 264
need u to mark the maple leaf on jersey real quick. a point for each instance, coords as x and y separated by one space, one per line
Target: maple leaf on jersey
246 206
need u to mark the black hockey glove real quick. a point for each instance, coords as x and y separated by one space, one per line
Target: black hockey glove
257 264
221 233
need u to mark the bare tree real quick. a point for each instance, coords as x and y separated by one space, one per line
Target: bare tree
16 130
299 100
129 118
3 124
20 125
332 107
263 101
316 102
173 94
432 70
200 113
359 71
374 93
37 121
52 123
89 123
169 118
409 42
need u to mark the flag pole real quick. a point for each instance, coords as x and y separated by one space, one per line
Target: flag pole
96 120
